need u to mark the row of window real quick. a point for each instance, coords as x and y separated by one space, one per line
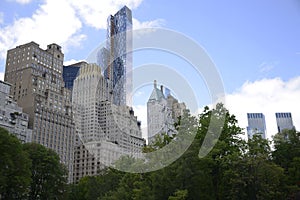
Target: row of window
283 115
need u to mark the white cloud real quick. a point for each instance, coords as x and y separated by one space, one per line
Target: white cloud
1 76
71 62
49 23
145 27
62 24
141 112
267 96
91 11
147 24
74 41
95 13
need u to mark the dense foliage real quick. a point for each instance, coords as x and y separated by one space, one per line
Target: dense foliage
48 175
29 171
14 167
233 169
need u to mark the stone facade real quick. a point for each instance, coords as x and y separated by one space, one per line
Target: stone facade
162 112
105 131
37 86
12 117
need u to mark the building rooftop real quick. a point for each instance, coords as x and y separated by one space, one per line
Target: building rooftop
157 94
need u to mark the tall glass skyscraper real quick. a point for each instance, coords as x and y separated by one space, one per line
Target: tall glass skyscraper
284 121
119 65
256 125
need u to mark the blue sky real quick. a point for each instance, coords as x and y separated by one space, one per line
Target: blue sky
254 44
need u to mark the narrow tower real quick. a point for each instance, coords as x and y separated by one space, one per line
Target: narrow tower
118 49
256 124
284 121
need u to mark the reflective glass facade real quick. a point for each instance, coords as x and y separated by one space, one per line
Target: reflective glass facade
69 75
284 121
103 60
256 124
119 63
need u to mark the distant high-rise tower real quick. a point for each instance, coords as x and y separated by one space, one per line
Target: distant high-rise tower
38 87
119 47
256 125
284 121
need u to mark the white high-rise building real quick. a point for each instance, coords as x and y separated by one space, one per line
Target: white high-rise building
88 90
106 131
162 112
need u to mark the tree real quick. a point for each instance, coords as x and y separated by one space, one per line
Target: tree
226 146
179 195
49 176
14 167
287 155
228 168
253 175
92 187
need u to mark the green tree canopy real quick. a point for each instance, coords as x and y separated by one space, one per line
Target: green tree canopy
233 169
49 176
287 155
14 167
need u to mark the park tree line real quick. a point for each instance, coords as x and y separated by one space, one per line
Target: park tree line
233 169
30 171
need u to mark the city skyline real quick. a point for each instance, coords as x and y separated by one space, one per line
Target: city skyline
257 55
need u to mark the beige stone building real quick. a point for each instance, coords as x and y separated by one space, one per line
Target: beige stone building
177 107
37 86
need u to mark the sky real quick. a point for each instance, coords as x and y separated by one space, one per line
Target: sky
255 45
